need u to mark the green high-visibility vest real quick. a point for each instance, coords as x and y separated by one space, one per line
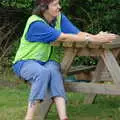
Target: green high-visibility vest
38 50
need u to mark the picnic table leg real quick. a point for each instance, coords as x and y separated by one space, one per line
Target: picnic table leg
112 66
91 97
43 109
69 55
109 61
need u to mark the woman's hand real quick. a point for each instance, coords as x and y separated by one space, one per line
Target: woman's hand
104 37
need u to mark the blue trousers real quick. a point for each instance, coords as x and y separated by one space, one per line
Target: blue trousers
43 78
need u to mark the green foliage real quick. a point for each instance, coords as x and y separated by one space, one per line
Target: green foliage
85 60
13 51
17 3
88 15
94 15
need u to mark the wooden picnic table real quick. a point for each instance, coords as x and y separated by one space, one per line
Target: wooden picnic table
108 63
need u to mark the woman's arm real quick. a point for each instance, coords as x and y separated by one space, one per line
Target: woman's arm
70 37
72 33
84 36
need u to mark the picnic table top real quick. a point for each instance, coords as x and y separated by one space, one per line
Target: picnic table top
83 44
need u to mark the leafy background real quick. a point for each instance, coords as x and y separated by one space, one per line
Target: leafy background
91 16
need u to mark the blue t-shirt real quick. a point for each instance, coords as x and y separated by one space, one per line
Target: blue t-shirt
41 32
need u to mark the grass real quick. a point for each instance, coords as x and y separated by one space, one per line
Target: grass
13 104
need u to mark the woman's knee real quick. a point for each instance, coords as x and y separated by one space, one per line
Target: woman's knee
43 73
33 71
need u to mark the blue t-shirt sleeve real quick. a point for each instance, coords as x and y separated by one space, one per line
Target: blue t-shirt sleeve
67 26
42 32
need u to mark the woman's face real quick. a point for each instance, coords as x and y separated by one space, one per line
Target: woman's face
53 9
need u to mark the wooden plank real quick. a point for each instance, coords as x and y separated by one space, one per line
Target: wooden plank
91 97
113 44
77 69
112 66
88 75
92 88
89 52
68 44
84 76
106 77
42 110
95 45
69 54
81 44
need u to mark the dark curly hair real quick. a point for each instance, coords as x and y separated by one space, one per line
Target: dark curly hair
41 6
